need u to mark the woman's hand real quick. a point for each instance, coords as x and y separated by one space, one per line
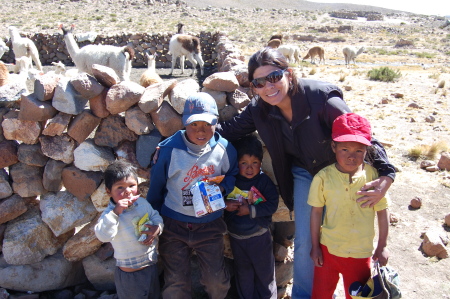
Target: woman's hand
374 191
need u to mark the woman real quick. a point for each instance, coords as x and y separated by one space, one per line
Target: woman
294 118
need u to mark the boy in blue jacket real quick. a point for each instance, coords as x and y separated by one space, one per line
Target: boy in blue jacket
248 225
196 153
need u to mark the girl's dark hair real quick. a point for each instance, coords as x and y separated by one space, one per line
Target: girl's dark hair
270 56
249 145
117 171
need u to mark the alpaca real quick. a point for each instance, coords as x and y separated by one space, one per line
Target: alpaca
315 51
350 53
22 67
23 64
291 52
4 74
276 36
186 46
117 58
60 69
23 46
274 43
150 76
180 27
3 48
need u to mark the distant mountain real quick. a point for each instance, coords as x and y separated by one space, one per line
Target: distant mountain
296 4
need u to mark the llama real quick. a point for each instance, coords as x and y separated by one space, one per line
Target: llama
22 67
180 27
186 46
4 74
350 53
274 43
60 69
117 58
23 46
3 48
276 36
291 52
315 51
150 76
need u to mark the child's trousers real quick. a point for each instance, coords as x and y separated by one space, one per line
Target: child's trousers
142 284
176 244
254 267
327 276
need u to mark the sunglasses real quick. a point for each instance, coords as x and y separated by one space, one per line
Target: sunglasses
273 77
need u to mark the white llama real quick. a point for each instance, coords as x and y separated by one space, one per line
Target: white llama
23 46
3 48
150 76
291 52
117 58
350 54
186 46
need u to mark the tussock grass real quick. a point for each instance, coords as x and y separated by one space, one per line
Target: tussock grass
428 152
384 74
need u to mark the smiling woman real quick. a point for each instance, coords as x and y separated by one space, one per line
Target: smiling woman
294 117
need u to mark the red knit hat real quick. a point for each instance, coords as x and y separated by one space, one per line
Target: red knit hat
351 127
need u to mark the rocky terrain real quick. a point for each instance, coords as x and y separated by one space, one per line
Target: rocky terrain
411 116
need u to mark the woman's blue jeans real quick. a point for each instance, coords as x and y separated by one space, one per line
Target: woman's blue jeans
303 264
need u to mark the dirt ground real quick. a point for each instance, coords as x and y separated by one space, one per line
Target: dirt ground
387 106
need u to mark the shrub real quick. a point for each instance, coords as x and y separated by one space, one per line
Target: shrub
384 74
424 55
441 84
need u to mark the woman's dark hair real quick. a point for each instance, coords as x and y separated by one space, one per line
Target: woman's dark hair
270 56
249 145
117 171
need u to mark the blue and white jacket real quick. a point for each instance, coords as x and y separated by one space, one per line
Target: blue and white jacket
178 168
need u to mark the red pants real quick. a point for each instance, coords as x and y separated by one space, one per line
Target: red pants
327 276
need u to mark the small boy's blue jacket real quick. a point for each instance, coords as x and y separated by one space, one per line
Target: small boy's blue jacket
178 168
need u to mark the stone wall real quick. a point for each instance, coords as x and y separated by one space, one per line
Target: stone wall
54 145
52 47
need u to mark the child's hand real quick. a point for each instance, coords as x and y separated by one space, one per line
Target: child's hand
381 255
152 233
124 203
232 205
244 208
316 256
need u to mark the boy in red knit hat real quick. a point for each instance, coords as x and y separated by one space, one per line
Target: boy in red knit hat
343 232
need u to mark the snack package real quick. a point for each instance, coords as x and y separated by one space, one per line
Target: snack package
257 196
206 198
237 194
139 227
253 195
215 179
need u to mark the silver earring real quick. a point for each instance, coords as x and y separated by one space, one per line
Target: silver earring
291 85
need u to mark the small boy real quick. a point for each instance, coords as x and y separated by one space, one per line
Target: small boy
344 242
136 275
248 225
188 156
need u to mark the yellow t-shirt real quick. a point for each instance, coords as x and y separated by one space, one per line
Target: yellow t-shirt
347 229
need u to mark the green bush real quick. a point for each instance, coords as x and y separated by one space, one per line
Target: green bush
424 55
384 74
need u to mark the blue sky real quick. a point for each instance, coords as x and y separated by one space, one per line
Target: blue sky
428 7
